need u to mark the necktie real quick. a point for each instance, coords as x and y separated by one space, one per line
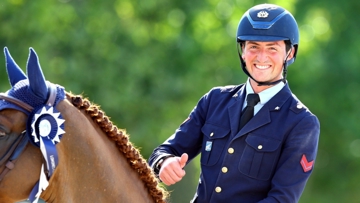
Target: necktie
248 112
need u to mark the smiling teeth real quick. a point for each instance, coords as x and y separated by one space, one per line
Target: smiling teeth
262 67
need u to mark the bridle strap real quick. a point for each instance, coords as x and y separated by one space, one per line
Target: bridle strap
9 165
52 95
17 102
15 152
9 152
50 101
19 145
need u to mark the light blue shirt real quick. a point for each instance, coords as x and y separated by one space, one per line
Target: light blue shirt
264 95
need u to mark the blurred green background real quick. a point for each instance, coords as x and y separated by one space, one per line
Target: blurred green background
146 63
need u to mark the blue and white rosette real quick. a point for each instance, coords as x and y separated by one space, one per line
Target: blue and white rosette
47 128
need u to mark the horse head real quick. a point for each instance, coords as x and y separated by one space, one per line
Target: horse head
27 93
33 116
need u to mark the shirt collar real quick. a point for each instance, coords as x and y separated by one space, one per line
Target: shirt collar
266 94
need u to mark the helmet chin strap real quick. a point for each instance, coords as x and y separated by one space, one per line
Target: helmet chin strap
243 65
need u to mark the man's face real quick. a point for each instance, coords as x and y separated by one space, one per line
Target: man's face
264 60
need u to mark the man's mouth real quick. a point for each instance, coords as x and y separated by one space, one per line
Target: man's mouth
262 67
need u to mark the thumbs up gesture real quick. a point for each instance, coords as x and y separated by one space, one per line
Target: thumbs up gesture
172 171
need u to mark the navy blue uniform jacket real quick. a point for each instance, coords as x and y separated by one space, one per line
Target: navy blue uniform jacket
269 160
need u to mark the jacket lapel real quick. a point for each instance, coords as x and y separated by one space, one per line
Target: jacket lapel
235 109
260 119
263 116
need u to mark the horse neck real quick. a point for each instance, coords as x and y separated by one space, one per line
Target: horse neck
91 168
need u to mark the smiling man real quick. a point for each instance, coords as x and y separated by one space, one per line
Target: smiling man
257 141
264 61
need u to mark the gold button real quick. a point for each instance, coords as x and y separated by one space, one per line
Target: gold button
260 147
211 134
218 189
224 169
231 150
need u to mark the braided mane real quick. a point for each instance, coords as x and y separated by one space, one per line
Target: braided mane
119 136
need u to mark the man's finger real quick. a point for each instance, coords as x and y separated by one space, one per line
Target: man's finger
183 159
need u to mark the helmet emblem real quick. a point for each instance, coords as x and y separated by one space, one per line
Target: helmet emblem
262 14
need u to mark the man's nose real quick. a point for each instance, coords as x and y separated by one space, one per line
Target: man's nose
262 56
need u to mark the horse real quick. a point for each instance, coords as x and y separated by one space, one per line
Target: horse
59 147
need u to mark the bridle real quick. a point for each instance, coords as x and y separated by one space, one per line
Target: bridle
17 102
13 153
19 144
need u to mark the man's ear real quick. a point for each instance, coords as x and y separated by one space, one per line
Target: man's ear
242 47
290 54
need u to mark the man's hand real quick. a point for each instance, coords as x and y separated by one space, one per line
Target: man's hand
171 170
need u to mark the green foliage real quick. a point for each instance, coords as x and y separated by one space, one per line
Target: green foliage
148 62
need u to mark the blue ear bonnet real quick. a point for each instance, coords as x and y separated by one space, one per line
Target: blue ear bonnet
22 92
31 89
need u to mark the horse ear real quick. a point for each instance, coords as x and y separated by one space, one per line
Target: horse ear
15 74
36 77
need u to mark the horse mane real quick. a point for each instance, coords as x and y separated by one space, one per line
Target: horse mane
121 139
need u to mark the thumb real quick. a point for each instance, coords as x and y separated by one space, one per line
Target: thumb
183 159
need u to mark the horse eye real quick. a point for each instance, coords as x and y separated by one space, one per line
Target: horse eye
2 134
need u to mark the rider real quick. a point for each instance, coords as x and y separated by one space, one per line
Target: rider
271 157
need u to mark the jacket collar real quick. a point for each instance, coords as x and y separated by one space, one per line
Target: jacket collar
262 117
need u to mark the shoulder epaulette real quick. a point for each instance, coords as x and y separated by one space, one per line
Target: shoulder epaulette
229 88
298 107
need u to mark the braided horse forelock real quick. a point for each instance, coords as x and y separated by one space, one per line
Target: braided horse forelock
135 159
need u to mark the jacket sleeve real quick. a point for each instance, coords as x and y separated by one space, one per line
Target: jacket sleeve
187 138
296 162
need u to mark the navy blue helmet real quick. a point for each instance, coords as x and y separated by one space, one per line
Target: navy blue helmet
268 22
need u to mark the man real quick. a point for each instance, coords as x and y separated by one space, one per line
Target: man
269 158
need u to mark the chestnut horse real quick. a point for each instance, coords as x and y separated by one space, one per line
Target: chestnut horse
65 148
